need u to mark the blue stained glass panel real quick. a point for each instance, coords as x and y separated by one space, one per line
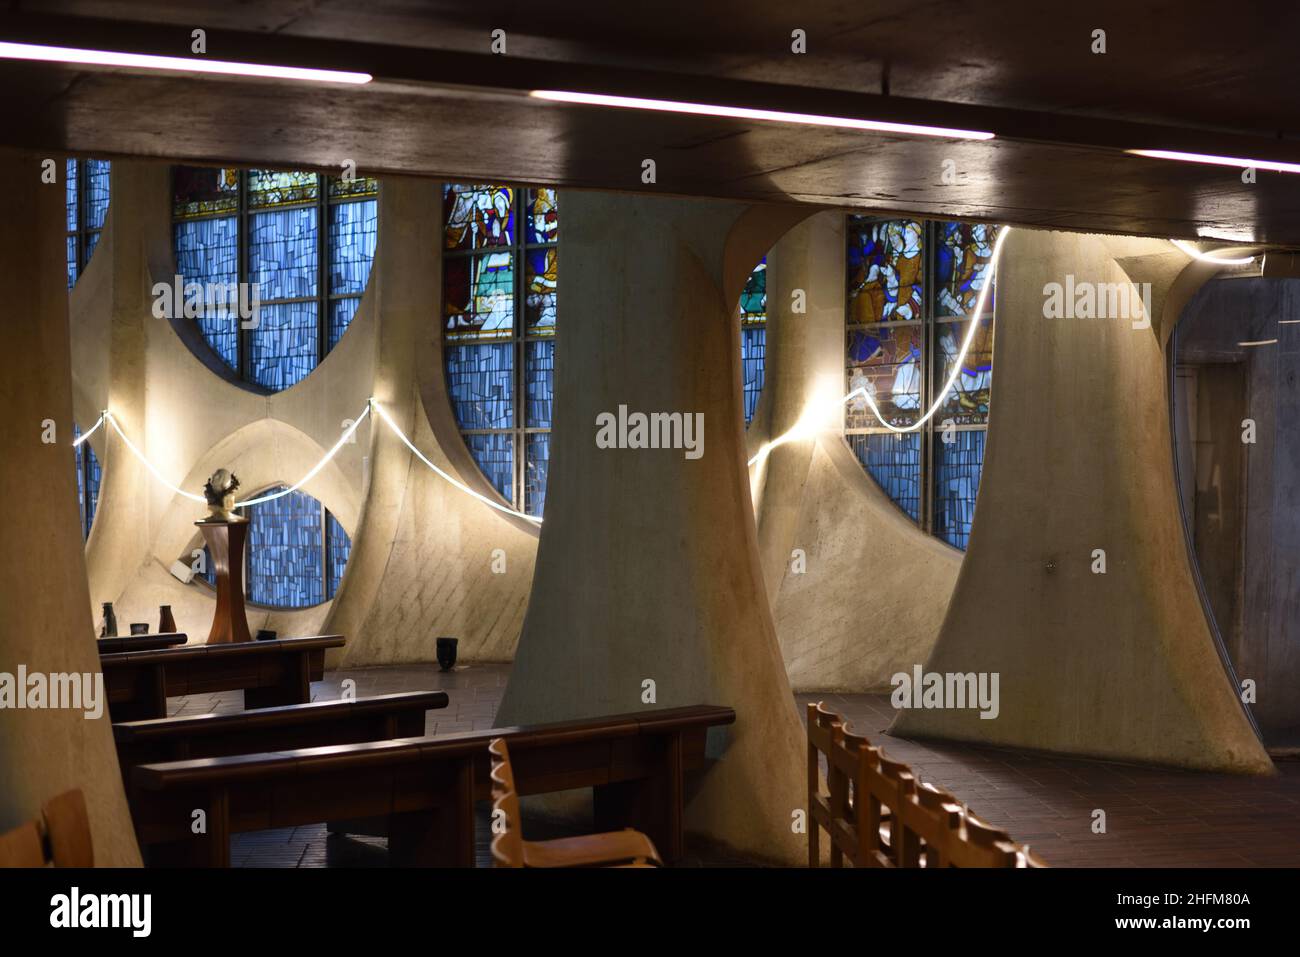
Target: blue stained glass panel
354 230
753 299
207 251
72 261
70 194
286 552
885 270
92 241
539 457
282 253
494 453
96 193
88 479
958 465
540 379
285 344
341 313
339 548
753 350
894 461
480 378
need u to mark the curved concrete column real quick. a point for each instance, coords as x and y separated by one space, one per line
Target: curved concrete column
1118 665
45 622
648 564
871 597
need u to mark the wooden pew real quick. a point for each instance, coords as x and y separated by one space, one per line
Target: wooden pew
427 786
878 814
109 646
274 729
269 672
59 837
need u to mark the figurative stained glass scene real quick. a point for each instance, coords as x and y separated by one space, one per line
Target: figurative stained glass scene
753 337
885 363
901 346
963 253
885 262
86 187
500 372
259 230
968 401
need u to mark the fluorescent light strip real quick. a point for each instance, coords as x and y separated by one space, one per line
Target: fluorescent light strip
1210 257
744 113
1259 342
1212 160
146 61
93 428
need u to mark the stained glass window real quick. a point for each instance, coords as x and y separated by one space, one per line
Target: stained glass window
911 292
86 200
305 242
753 337
500 372
296 554
88 478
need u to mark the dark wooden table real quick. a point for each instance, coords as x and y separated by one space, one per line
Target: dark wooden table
269 672
108 646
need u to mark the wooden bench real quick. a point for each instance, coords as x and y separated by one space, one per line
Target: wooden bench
426 786
110 646
274 729
270 673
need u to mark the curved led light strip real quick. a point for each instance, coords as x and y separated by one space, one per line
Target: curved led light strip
383 414
1210 257
319 465
147 61
112 420
746 113
86 435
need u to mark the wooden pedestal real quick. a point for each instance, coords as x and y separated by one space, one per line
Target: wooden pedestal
225 541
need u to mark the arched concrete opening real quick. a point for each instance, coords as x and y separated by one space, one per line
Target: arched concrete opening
1233 356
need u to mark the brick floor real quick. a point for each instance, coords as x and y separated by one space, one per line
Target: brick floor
1154 816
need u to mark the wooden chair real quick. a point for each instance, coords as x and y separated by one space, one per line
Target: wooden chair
67 830
60 837
821 723
927 823
626 848
22 847
886 786
978 844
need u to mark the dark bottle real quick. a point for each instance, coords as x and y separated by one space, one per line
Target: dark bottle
109 628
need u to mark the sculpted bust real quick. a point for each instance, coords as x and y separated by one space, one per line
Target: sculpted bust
220 493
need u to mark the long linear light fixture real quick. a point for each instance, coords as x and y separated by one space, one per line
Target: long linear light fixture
746 113
147 61
1210 159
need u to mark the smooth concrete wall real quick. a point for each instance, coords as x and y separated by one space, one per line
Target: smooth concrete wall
868 596
1120 665
420 564
45 621
648 567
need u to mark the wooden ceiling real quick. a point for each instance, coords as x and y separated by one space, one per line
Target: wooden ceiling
1188 76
